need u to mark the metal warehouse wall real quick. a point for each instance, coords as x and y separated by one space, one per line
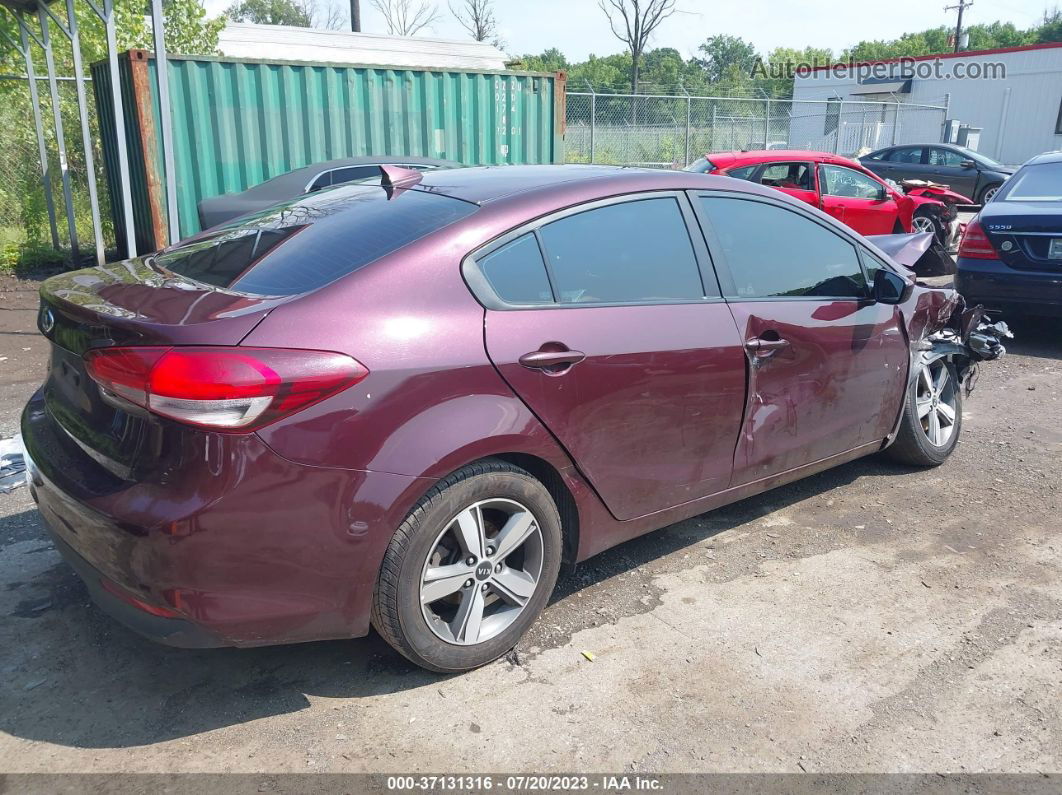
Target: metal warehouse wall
1018 114
237 122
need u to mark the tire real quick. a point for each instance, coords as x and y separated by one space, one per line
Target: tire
987 192
443 530
914 443
934 224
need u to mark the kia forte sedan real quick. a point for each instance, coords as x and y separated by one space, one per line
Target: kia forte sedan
404 405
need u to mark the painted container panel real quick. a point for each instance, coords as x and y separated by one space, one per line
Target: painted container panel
237 122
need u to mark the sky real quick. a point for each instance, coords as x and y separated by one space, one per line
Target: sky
579 28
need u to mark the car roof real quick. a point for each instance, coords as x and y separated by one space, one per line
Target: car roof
730 159
293 182
1046 157
561 183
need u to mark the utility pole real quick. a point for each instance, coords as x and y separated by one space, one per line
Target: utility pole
355 16
962 6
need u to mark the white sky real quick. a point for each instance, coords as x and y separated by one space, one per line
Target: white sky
579 28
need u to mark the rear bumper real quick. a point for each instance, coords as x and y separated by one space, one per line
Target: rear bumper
1015 292
240 545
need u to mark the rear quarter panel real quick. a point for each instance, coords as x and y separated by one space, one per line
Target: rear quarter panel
432 401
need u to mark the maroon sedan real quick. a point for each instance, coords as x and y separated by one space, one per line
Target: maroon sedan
407 404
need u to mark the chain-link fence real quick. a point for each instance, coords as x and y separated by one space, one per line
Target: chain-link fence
668 131
25 228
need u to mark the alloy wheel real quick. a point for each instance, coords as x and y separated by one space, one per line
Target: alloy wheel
482 570
988 194
923 223
935 401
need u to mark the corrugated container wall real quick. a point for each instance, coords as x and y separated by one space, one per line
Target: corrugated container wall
238 122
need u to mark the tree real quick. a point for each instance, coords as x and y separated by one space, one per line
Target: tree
188 30
406 17
551 60
633 23
1051 29
477 17
270 12
723 52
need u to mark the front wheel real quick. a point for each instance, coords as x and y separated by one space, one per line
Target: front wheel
925 221
932 417
470 568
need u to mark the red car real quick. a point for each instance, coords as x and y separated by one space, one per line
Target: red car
407 403
842 188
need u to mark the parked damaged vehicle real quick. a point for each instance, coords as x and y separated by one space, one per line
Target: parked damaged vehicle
970 173
849 192
406 404
308 179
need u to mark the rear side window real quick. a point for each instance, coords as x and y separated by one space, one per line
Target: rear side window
796 176
908 154
637 251
745 172
338 176
776 253
316 239
517 273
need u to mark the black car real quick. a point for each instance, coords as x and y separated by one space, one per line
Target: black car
1011 254
964 170
217 209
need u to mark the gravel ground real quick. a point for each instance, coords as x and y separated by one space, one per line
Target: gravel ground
871 618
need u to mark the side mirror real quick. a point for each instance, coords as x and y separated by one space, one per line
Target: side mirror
891 288
968 164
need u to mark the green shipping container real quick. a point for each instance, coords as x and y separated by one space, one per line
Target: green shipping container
237 122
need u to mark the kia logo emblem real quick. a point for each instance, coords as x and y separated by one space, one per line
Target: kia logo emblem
47 320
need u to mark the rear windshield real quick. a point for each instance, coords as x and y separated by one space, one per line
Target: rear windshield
1039 183
702 165
302 245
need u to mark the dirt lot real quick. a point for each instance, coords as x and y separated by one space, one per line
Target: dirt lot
871 618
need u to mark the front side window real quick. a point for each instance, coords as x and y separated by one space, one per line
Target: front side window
796 176
846 183
945 157
637 251
773 252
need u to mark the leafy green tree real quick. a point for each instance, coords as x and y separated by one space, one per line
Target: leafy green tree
1051 29
551 60
721 53
270 12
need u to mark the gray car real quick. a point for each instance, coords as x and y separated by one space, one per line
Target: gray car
964 170
218 209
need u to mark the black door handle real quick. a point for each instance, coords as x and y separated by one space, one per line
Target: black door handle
543 360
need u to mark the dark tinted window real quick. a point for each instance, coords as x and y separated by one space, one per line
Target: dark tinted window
517 273
745 172
908 154
945 157
634 251
307 243
1038 183
773 252
341 175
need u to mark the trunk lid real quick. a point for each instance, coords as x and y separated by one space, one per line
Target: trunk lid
1022 233
127 303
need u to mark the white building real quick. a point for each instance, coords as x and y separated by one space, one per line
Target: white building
284 43
1014 95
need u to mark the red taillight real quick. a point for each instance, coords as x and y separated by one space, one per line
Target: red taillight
975 243
235 389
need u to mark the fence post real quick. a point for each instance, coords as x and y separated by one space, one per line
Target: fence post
689 109
947 112
42 150
840 125
767 123
593 123
715 109
60 138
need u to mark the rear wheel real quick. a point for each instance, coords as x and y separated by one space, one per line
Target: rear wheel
470 568
988 192
932 417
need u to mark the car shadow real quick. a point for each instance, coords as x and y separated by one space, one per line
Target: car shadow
1035 336
76 678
